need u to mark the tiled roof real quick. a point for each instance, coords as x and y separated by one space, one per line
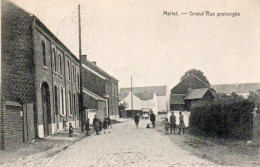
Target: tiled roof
95 96
196 93
158 90
144 96
190 81
238 88
177 99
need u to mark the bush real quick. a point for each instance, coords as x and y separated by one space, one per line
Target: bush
220 119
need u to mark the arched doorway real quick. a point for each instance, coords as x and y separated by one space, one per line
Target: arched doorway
46 110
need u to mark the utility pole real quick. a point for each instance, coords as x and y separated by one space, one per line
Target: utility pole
132 93
81 108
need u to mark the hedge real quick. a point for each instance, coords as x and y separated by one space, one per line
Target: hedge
222 120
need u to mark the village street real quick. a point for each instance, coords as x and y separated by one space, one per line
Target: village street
127 146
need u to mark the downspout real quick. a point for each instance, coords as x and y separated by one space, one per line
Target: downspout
35 113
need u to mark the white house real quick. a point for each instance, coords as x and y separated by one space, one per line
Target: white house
154 98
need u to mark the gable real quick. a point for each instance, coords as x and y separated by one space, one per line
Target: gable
190 81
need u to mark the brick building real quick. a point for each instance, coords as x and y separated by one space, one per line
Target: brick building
100 90
40 80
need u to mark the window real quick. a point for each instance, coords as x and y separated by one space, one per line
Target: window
74 103
69 103
68 70
56 100
78 81
62 101
61 72
55 61
73 73
75 106
43 53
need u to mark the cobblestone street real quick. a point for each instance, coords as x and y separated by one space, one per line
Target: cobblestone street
127 146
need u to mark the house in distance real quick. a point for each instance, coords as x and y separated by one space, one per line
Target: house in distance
155 98
189 91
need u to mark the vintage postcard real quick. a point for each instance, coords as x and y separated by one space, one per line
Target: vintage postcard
158 83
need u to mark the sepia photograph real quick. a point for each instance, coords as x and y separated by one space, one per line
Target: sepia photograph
130 83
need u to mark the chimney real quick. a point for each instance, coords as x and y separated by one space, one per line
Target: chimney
94 62
84 58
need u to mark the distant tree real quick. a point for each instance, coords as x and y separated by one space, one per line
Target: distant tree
197 73
254 96
227 99
122 106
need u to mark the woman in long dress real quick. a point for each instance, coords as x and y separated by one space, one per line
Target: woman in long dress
181 125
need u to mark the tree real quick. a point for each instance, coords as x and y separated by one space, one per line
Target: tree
122 106
198 74
228 99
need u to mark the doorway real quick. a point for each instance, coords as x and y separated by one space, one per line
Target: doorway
46 110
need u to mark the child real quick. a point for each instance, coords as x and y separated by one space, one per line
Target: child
109 122
87 127
166 126
105 125
70 129
147 126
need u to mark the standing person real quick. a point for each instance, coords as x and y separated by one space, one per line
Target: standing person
100 125
109 122
166 126
181 125
105 125
136 119
96 124
70 129
172 122
87 127
152 119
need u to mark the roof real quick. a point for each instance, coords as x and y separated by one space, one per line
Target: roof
238 88
122 96
190 81
146 91
197 93
95 96
177 99
144 96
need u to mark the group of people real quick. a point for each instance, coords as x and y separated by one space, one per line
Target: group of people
99 125
172 124
152 119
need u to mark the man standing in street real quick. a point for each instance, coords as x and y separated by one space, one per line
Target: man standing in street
152 119
172 122
136 119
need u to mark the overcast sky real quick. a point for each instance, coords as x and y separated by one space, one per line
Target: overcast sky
133 37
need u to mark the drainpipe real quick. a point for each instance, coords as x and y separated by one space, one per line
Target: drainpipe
35 113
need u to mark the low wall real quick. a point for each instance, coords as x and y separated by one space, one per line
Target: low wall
11 124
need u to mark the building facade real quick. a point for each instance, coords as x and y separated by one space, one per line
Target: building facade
100 90
40 81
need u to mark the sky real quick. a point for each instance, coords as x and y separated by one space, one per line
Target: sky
133 37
